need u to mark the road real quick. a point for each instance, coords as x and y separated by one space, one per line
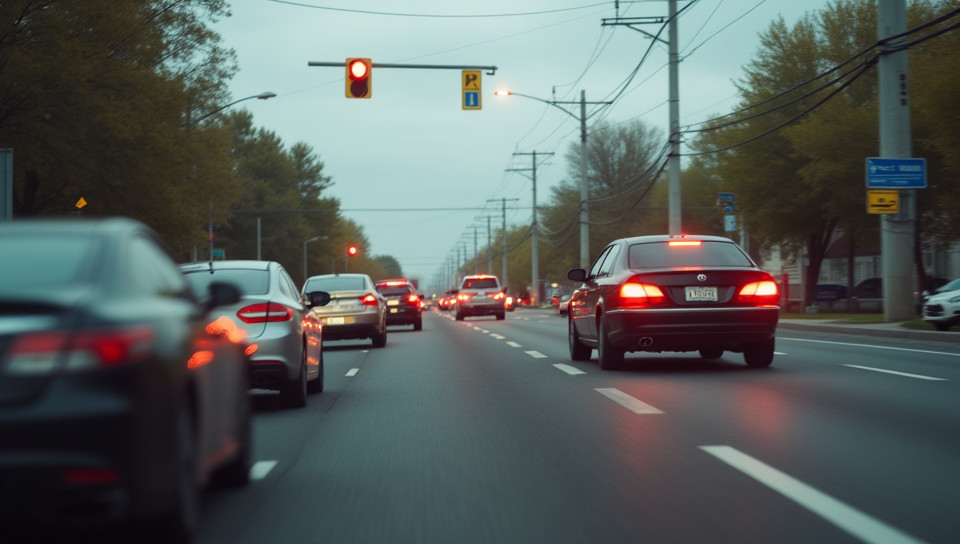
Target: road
484 431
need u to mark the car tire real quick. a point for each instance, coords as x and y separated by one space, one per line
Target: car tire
316 386
759 354
293 393
380 339
578 351
418 324
942 326
610 356
711 353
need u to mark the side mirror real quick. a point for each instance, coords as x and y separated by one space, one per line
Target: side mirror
577 274
222 294
317 298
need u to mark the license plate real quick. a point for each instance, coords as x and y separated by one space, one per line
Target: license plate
335 321
394 310
393 303
701 294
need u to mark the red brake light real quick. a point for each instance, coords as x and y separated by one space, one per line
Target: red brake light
413 299
684 243
498 296
464 297
369 300
763 292
641 293
44 352
265 312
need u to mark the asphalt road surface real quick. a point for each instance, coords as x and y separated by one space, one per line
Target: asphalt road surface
485 431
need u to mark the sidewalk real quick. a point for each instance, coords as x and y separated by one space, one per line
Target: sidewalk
886 330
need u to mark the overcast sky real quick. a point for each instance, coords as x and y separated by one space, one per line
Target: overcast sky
417 171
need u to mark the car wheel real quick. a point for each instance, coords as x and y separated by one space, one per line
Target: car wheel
294 392
380 339
711 353
316 386
179 523
610 356
418 324
759 354
578 351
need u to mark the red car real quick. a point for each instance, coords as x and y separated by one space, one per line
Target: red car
673 293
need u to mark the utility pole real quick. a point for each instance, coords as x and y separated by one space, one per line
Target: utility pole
896 230
535 260
503 274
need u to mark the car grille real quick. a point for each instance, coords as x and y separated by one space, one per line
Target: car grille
933 310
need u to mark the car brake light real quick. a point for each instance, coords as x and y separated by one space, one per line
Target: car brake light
642 293
368 300
684 243
498 295
464 297
760 292
265 312
43 352
413 299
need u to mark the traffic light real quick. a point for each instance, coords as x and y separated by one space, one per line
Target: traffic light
353 250
358 78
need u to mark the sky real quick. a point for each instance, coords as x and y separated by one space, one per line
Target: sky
419 173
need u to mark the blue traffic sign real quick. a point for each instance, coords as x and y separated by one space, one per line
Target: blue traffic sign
896 173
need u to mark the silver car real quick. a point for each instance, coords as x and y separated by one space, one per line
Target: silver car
285 348
356 308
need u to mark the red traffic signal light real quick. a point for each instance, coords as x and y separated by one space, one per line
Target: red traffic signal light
359 71
352 250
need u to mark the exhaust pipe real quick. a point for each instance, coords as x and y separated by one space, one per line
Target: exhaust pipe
646 341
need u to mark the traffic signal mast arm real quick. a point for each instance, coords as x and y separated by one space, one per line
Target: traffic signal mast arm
491 70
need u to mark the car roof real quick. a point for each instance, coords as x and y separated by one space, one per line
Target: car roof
228 265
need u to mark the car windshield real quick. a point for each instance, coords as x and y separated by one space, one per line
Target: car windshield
952 286
706 254
334 283
480 283
250 282
31 261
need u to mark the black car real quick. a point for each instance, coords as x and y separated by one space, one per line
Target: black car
120 396
673 293
404 304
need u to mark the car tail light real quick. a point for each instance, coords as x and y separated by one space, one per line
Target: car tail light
43 352
498 295
641 293
761 293
265 312
413 300
464 297
369 300
91 476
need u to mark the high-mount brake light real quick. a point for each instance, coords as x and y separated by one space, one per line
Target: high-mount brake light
265 312
684 243
395 283
640 293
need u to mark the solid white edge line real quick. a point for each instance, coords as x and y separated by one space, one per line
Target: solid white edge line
260 469
843 516
353 371
905 374
929 352
628 402
536 354
573 371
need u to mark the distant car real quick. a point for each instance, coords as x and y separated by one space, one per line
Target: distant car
404 305
509 303
480 295
563 304
942 307
356 309
286 352
673 293
121 394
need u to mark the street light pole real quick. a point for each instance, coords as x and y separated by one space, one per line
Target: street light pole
305 242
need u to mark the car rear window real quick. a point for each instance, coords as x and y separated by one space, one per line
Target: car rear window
31 261
708 253
333 284
250 282
393 291
480 283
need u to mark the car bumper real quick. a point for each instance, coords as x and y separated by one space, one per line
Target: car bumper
402 316
689 330
481 309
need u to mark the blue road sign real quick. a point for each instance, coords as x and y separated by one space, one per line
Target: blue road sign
896 173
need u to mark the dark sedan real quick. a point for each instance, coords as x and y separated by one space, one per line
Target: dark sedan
120 397
666 293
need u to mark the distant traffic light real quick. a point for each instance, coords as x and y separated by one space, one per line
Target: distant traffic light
358 83
352 250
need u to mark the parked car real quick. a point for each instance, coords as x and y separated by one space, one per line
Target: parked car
286 352
404 304
480 295
121 393
673 293
942 307
356 309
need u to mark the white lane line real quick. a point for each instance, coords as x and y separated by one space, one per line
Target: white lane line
353 371
514 345
573 371
907 374
484 331
779 353
497 336
260 469
871 346
628 402
851 520
536 354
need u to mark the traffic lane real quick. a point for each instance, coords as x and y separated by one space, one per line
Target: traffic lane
857 415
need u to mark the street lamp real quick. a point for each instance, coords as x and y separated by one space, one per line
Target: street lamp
584 191
305 242
261 96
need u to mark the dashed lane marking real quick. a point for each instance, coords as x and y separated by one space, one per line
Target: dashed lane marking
573 371
536 354
514 345
260 469
634 405
353 371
